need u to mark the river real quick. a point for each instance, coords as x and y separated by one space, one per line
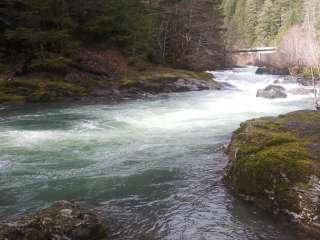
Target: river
153 167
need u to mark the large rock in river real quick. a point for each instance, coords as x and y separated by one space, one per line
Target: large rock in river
275 163
171 83
63 220
273 71
272 92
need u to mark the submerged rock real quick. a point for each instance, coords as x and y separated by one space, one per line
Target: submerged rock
272 92
273 71
63 220
275 163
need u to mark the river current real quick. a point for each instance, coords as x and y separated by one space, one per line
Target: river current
152 167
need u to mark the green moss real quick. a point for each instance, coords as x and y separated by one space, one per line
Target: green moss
202 75
36 90
187 73
165 74
4 98
127 82
55 90
309 72
272 155
63 89
50 86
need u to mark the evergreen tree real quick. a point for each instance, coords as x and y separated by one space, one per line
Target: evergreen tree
295 13
252 14
42 35
252 22
267 27
45 34
229 8
125 22
280 9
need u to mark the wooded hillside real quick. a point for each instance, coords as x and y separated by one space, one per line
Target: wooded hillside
291 25
260 22
47 35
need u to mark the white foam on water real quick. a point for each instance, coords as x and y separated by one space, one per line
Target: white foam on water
3 164
209 107
178 113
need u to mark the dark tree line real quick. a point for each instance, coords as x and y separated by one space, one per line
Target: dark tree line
48 34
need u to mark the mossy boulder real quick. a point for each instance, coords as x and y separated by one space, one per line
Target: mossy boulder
275 163
63 220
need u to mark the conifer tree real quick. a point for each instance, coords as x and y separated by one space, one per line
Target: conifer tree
45 34
270 18
252 14
229 8
267 27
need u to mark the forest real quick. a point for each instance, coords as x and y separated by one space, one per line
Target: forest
48 34
290 25
261 22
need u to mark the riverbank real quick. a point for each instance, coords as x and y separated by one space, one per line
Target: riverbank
82 86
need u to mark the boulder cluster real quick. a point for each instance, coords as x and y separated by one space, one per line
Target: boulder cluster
277 89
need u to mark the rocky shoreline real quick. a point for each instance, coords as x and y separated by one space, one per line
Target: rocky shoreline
84 87
133 89
275 164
